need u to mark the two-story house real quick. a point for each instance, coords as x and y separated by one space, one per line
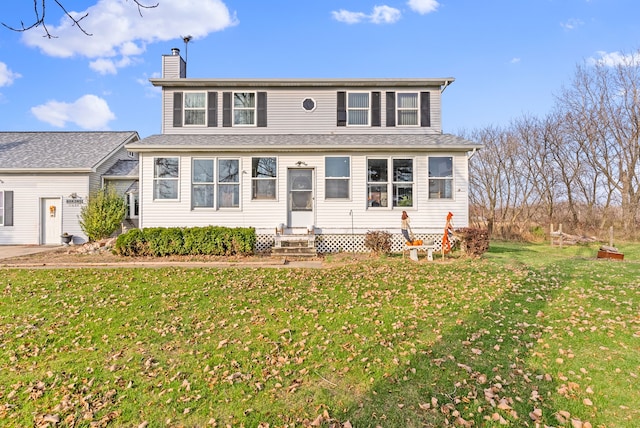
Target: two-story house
338 157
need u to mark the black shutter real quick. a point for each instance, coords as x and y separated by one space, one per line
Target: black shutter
375 108
226 109
262 110
8 208
212 106
425 109
177 109
342 108
391 109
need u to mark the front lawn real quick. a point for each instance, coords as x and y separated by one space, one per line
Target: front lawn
526 334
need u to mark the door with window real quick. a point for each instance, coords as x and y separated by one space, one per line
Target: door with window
51 221
301 198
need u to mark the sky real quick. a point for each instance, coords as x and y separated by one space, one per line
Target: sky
509 58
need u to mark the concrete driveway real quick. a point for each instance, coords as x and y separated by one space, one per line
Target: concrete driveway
8 251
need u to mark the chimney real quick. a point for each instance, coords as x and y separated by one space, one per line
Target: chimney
173 66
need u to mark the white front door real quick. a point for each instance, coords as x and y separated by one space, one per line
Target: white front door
301 198
51 221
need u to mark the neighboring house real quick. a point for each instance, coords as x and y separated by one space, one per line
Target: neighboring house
338 157
46 178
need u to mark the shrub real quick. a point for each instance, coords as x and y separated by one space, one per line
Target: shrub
209 240
473 241
378 241
103 214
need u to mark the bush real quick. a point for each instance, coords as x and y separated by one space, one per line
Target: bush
103 214
209 240
378 241
473 241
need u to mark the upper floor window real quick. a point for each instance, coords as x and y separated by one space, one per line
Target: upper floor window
358 108
441 177
165 178
244 108
407 109
264 172
195 107
337 172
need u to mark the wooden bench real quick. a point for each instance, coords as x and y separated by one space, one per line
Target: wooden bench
413 251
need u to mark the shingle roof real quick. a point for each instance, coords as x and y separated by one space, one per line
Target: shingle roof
123 168
59 150
300 143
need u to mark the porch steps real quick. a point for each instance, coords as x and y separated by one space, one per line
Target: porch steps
295 245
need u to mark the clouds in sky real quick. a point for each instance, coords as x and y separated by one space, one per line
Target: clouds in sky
87 112
384 14
614 59
119 33
7 76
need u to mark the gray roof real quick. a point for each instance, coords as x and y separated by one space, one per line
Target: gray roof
123 168
53 151
303 143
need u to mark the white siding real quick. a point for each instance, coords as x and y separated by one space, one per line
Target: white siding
95 182
330 216
285 114
28 190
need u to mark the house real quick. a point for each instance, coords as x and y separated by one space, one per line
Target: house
332 157
47 177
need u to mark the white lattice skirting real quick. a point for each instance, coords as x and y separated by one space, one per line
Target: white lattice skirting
349 243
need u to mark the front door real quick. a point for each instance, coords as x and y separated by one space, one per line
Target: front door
301 198
51 221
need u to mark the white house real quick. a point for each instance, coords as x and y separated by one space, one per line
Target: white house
338 157
46 178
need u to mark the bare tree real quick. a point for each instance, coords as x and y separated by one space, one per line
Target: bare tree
40 16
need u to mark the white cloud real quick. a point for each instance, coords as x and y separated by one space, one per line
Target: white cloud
613 59
7 76
423 6
379 15
88 112
571 24
119 32
515 60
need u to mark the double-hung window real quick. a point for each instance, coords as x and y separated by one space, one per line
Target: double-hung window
390 176
358 108
202 183
407 108
165 178
441 177
195 107
244 108
228 183
264 172
337 171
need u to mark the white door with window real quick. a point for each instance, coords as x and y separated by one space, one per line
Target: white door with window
301 198
51 221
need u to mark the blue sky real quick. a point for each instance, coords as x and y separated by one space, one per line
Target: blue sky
509 57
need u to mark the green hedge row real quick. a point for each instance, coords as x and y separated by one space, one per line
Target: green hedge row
168 241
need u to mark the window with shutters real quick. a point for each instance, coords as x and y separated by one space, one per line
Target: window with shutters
244 108
358 108
195 108
407 109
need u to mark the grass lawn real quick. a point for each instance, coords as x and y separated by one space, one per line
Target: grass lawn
526 335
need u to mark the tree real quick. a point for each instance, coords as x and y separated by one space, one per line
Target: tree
103 214
39 19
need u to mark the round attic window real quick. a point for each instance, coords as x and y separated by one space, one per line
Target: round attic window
309 104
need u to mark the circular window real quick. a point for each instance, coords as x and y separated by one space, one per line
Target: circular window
309 104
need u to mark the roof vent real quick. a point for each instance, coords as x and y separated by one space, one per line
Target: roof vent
175 51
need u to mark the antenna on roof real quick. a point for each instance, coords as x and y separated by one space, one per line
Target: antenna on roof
186 40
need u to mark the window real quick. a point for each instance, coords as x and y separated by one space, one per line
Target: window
399 184
1 208
228 183
165 178
244 108
407 109
402 182
440 178
358 108
195 104
337 172
263 178
378 182
202 183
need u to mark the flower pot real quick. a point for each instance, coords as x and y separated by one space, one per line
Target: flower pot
66 238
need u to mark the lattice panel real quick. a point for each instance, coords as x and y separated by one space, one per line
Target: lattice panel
350 243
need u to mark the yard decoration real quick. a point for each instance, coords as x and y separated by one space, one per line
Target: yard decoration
448 231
